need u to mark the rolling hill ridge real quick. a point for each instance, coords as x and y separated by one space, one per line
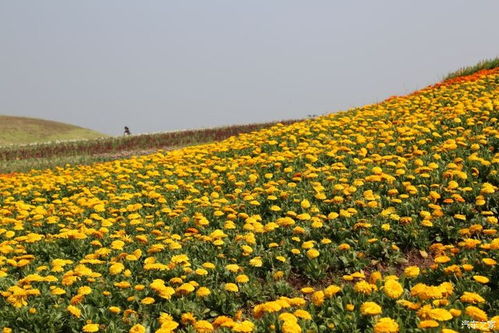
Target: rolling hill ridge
23 130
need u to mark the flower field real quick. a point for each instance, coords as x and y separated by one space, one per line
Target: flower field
378 219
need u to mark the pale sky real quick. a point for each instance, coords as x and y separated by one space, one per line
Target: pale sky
165 65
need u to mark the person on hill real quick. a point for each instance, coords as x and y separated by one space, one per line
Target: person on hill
127 131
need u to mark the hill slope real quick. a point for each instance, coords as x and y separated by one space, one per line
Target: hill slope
21 130
380 219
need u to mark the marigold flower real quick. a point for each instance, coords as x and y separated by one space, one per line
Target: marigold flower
344 247
312 253
331 290
411 271
243 327
476 313
231 287
116 268
318 298
114 309
364 287
137 328
147 300
91 328
393 289
440 314
428 324
481 279
74 311
203 326
370 309
290 327
386 325
302 314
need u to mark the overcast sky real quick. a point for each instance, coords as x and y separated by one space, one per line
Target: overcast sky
165 65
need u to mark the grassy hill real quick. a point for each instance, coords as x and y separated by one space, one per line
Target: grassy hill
22 130
382 219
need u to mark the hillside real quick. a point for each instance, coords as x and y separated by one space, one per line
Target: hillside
21 130
15 158
380 219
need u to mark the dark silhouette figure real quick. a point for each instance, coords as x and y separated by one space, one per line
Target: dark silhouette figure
127 131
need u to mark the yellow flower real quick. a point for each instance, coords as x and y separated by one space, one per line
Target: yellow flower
232 268
209 265
411 271
137 328
231 287
440 314
331 290
370 309
304 217
386 325
203 292
74 311
318 298
242 278
487 188
495 320
243 327
85 290
122 284
302 314
223 321
481 279
374 277
116 268
188 318
476 313
307 290
364 287
290 327
185 289
203 326
57 291
147 300
393 289
312 253
470 297
114 309
489 261
281 258
428 324
91 328
409 305
256 262
286 316
344 247
442 259
117 245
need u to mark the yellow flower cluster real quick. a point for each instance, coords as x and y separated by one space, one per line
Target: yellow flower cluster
382 218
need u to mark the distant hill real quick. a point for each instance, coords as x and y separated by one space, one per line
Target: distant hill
21 130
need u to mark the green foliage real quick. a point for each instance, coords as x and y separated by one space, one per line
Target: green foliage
484 64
